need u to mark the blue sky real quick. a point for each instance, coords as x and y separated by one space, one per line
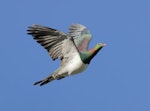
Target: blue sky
117 79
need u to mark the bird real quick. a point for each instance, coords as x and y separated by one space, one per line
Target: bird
71 48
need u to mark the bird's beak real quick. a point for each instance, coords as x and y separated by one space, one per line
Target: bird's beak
104 45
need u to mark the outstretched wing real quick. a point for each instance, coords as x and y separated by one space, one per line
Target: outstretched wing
81 36
52 40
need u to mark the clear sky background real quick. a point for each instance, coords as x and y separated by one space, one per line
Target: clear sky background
118 78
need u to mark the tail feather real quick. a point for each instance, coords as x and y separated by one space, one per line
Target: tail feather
44 81
50 78
38 82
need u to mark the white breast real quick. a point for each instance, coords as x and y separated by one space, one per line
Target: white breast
76 65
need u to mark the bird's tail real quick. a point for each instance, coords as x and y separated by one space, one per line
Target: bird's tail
52 77
45 81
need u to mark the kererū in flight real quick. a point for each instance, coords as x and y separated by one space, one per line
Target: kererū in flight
71 48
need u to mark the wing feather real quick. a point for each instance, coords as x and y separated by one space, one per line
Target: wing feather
81 36
49 38
59 44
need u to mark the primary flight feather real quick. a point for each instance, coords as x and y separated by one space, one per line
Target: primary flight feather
70 48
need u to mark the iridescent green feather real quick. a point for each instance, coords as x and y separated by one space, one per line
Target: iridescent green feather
87 56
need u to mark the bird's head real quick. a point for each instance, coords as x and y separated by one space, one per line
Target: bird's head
99 46
87 56
96 49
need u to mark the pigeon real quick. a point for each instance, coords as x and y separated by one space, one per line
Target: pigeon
71 48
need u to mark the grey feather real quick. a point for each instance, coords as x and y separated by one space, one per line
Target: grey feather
49 38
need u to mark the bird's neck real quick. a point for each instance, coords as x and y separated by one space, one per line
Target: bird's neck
87 56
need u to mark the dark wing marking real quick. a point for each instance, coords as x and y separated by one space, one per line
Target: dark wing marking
49 38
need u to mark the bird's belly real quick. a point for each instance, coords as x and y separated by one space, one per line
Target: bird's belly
80 69
76 65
